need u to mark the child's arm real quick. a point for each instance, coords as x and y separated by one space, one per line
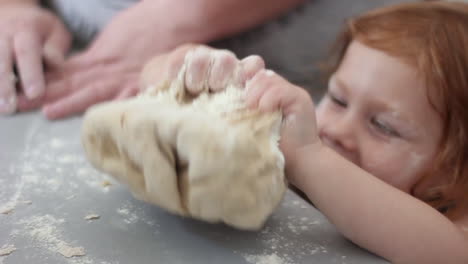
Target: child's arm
365 209
376 215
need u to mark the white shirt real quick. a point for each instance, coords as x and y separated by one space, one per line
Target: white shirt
84 18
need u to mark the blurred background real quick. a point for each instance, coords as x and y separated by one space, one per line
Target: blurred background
297 43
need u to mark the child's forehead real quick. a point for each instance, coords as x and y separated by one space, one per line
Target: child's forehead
372 72
382 82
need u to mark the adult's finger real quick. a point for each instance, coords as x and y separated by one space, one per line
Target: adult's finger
86 60
61 85
224 70
76 67
196 73
56 45
24 104
7 80
78 101
67 79
28 55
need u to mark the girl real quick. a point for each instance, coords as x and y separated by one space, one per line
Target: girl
384 154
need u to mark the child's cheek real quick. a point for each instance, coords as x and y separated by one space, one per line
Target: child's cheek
399 166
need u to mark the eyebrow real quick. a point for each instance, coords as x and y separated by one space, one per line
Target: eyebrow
340 83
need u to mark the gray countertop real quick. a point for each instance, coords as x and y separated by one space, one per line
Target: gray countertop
47 188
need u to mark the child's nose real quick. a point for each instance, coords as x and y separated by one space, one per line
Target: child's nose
339 133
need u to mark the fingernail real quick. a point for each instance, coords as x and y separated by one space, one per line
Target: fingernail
8 105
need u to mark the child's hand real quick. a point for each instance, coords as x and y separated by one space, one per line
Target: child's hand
268 91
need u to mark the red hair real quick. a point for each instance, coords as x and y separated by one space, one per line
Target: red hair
433 38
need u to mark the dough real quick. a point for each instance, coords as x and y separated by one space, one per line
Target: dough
207 157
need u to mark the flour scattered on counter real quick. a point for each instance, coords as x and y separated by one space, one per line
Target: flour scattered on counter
265 259
47 172
123 211
68 159
83 171
44 231
277 241
133 214
129 217
7 250
92 217
293 228
56 143
92 177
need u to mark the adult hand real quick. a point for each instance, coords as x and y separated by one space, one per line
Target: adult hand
207 69
110 68
29 37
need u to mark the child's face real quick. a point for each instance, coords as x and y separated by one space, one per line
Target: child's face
377 115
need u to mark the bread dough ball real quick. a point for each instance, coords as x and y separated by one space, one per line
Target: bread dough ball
206 157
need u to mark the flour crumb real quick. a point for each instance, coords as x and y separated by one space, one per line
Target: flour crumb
92 217
56 143
67 159
106 183
264 259
7 250
8 209
69 252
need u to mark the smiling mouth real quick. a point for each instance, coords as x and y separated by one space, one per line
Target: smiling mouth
340 150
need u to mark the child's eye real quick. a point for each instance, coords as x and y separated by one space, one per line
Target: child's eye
336 100
384 128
